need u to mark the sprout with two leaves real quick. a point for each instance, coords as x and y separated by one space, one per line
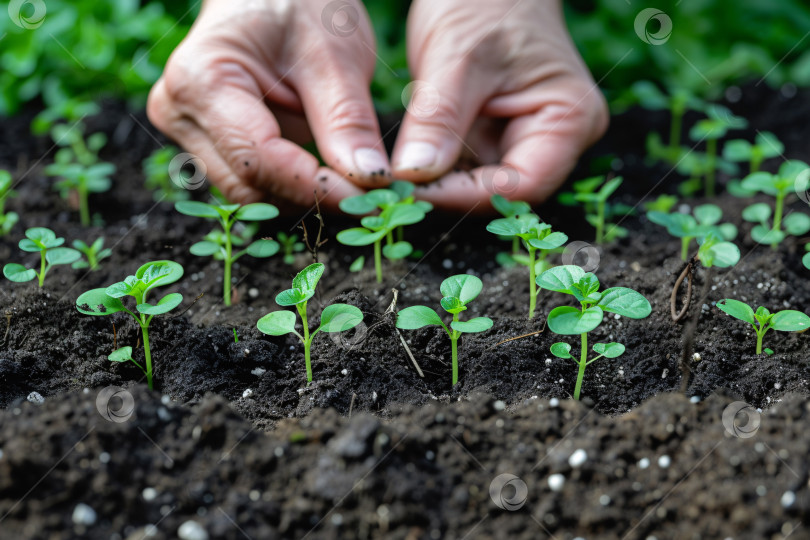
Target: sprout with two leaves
457 291
220 243
720 120
705 218
108 300
593 193
43 241
536 237
765 145
158 179
569 320
762 320
334 318
399 192
7 219
93 253
289 246
508 209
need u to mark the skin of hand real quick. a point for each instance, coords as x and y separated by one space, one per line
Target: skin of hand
255 79
495 82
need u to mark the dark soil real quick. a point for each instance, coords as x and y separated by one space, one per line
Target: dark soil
399 471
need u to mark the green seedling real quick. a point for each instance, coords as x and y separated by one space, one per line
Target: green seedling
399 192
376 228
593 194
778 185
43 241
569 320
765 145
664 203
508 209
108 300
334 318
706 218
158 179
7 219
94 253
289 246
720 120
762 320
457 292
536 237
695 166
677 103
220 243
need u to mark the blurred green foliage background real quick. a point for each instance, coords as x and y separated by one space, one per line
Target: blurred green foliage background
89 49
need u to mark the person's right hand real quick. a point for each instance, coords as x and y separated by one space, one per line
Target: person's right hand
253 80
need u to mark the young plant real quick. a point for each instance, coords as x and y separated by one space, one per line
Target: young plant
158 179
569 320
43 241
334 318
664 203
108 300
508 209
457 292
289 246
593 193
762 320
220 243
695 166
720 120
94 253
536 237
778 185
677 103
686 227
376 228
765 145
7 219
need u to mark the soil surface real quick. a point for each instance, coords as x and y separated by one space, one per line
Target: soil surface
234 439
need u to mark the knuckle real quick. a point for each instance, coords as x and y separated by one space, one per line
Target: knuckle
351 113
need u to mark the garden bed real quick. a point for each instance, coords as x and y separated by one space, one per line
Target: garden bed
421 476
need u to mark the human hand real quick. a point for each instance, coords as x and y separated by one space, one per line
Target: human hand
497 82
253 80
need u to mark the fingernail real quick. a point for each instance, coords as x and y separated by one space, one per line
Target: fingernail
417 155
370 161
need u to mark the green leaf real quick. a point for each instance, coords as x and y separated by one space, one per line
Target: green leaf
359 236
681 225
737 150
727 231
735 188
560 278
18 273
567 320
609 350
760 181
806 260
382 197
552 241
473 326
707 214
790 320
451 304
166 304
373 223
720 254
561 350
797 223
402 214
660 218
62 255
767 351
737 309
610 186
95 299
463 286
340 317
277 323
357 205
291 297
159 273
649 96
196 209
509 208
40 237
123 354
307 279
205 249
625 302
256 212
769 144
397 250
414 317
766 235
263 248
757 213
402 188
358 263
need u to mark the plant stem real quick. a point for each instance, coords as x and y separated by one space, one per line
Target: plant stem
146 351
600 221
454 348
532 284
777 215
389 238
583 360
378 259
84 211
685 247
43 269
226 279
759 341
400 233
711 158
515 245
302 310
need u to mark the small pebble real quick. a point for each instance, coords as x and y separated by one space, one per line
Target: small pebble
447 264
694 399
253 292
604 500
247 393
556 482
579 457
643 463
696 357
36 398
258 371
554 402
149 494
499 405
191 530
788 498
103 457
664 461
84 515
344 371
